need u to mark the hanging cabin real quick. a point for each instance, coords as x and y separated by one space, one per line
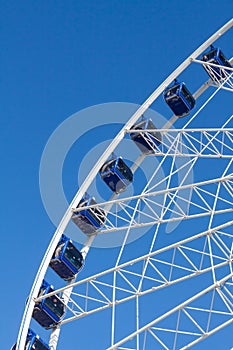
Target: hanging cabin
116 174
33 342
67 260
148 141
89 220
179 99
49 311
216 56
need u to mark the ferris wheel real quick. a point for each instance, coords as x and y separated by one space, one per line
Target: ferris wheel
173 286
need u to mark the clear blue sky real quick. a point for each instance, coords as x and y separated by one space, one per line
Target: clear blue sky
58 57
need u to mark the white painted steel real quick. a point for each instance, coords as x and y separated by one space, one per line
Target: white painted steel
66 218
179 307
141 259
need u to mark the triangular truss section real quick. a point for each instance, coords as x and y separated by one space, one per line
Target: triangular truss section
202 199
190 322
208 252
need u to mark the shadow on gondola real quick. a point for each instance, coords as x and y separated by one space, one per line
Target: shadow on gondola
179 99
49 311
89 220
148 141
67 260
33 342
116 174
216 56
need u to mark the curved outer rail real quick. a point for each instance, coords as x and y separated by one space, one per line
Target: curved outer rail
21 340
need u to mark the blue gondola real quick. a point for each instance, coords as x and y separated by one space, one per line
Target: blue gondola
89 220
179 99
216 56
49 311
146 141
116 174
67 259
33 342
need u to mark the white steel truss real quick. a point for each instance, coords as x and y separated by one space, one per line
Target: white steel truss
184 326
223 77
207 143
208 253
151 210
162 268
